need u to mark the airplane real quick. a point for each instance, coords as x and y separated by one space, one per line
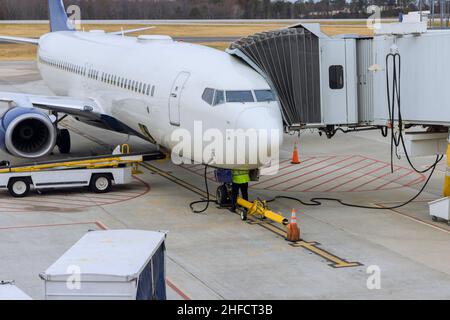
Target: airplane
147 86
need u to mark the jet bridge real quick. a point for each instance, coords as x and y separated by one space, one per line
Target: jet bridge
327 82
313 75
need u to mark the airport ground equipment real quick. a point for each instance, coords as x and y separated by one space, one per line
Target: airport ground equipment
440 209
259 209
9 291
110 265
99 173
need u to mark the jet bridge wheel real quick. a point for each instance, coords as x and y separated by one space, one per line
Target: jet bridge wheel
19 187
63 141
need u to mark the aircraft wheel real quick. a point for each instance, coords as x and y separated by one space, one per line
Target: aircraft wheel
63 142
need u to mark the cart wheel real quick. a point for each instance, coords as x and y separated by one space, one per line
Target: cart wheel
101 183
19 187
243 214
222 195
63 141
434 218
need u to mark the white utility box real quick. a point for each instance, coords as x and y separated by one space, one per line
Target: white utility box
8 291
440 209
422 144
110 265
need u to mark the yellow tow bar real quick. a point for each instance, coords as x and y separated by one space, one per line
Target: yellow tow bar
261 210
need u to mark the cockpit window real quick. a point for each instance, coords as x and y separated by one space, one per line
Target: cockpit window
264 95
208 96
240 96
219 97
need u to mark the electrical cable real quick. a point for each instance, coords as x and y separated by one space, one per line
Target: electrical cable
207 200
396 140
317 201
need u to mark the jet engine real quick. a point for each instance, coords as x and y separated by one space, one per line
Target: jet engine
27 133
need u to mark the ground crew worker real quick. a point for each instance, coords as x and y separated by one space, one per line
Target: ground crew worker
241 178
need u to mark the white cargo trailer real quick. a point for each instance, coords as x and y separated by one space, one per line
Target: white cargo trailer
110 265
9 291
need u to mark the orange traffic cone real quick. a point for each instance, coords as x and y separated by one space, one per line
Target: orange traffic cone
295 157
293 231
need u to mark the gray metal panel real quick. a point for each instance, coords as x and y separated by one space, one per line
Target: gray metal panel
364 50
290 59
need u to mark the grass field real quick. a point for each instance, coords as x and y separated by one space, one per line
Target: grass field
28 52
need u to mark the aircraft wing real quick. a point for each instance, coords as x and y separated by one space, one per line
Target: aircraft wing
19 40
123 32
86 108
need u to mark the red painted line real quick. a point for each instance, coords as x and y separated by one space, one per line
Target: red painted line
177 290
106 196
363 175
13 210
101 225
68 199
374 179
395 167
342 175
44 201
292 171
325 174
309 172
415 181
287 163
98 223
394 181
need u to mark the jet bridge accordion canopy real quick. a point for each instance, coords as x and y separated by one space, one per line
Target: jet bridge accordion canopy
290 60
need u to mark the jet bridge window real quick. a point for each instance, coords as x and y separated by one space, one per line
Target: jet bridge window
264 95
240 96
208 96
336 74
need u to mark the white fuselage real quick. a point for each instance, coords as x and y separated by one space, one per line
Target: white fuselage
154 86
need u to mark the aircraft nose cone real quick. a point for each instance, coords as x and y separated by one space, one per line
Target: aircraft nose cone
266 122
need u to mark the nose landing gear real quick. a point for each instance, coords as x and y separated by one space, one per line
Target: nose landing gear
63 141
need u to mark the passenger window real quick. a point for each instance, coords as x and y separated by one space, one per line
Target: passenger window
219 97
240 96
208 96
264 95
153 90
336 74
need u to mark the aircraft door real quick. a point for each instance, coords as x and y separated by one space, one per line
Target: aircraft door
175 97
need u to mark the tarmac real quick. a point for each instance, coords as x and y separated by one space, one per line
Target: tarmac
215 255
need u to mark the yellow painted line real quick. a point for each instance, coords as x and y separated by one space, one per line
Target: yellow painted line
176 180
336 262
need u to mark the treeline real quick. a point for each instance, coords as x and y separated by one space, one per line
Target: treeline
207 9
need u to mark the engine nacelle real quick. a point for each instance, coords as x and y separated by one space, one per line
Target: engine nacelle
27 133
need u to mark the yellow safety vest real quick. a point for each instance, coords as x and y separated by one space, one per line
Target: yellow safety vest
240 176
